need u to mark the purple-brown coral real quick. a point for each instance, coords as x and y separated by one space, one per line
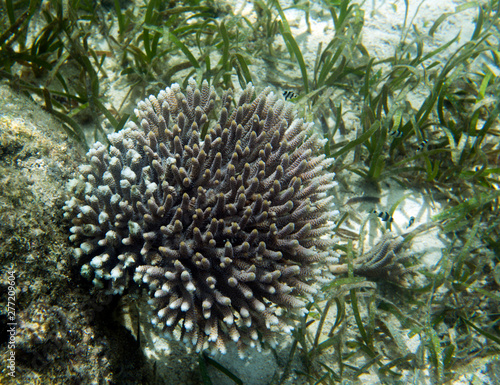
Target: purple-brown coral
223 228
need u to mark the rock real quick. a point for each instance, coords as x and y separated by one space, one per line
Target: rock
62 333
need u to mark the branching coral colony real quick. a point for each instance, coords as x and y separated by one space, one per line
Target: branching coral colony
384 261
226 229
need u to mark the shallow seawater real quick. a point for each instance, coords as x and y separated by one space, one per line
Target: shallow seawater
358 243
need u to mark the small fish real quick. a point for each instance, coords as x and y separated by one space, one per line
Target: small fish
396 134
412 220
422 145
384 215
289 95
368 199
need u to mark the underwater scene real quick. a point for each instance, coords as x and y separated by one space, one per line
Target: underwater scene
259 192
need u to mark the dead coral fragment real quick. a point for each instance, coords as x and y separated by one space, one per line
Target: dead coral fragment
223 229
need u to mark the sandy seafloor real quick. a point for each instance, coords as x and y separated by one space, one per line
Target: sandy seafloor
382 31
